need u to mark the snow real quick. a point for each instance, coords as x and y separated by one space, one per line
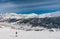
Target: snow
8 33
32 15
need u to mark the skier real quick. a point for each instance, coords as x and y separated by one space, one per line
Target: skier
16 33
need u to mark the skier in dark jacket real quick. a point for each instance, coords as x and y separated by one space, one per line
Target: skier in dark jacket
16 33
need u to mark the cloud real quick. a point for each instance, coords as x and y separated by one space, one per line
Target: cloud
7 5
28 5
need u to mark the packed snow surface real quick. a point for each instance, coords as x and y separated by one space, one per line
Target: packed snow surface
8 33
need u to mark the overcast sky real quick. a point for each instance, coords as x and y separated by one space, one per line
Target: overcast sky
29 6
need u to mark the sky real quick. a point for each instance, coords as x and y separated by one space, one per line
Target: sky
29 6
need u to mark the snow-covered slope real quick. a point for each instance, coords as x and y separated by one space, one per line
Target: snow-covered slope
8 33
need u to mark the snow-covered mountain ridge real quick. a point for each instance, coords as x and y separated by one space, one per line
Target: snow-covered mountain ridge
29 21
33 15
14 15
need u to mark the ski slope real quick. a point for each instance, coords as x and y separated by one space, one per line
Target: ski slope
8 33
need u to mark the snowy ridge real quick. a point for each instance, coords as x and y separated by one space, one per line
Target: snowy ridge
13 20
18 16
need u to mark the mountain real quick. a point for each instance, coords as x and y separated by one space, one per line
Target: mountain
48 20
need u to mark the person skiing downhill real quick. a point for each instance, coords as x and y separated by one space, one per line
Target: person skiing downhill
16 33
